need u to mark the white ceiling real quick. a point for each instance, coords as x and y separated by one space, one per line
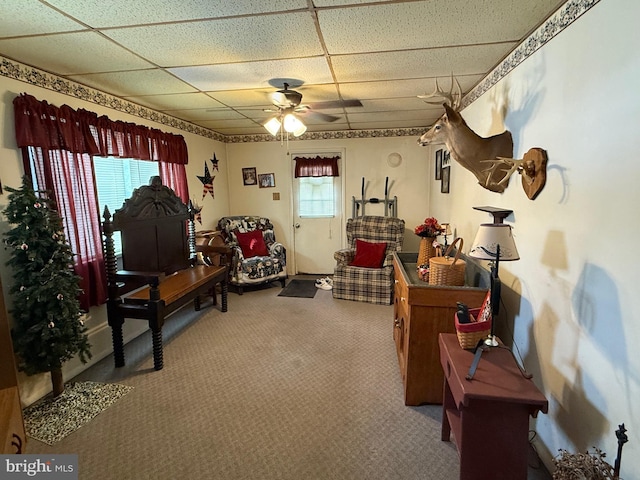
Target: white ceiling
210 62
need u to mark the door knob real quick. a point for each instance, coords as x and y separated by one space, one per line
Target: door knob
297 225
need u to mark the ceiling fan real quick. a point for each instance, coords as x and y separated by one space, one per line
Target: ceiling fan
289 101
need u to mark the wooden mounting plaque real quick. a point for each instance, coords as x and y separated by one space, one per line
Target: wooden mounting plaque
535 166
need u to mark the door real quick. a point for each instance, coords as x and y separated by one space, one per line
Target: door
317 221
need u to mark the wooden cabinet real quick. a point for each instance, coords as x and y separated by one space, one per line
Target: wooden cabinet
12 435
421 312
488 415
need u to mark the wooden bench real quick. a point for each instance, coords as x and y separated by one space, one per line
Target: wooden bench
159 274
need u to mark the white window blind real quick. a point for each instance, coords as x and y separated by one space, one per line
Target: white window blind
116 179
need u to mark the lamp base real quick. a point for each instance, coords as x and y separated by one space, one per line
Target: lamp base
488 343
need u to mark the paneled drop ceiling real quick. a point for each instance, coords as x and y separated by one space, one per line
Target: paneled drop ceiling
213 62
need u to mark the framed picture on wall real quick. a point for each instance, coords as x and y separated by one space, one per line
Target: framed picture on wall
446 158
444 186
266 180
439 164
249 176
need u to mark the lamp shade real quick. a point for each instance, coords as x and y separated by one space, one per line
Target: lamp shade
489 236
273 126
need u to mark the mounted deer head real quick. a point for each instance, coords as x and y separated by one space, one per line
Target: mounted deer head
489 159
470 150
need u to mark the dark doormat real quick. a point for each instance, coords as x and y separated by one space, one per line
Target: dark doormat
299 288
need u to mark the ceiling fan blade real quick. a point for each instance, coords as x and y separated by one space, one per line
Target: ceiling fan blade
321 116
336 104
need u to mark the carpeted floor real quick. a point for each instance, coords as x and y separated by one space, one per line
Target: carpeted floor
297 389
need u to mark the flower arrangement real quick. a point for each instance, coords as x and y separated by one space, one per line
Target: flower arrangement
430 228
582 465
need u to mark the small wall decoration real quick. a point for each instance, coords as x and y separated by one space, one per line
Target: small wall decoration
446 173
446 158
267 180
249 176
439 164
207 182
214 161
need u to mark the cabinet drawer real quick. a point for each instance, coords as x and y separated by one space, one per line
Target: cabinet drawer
401 337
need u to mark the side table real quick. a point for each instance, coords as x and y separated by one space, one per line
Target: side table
489 415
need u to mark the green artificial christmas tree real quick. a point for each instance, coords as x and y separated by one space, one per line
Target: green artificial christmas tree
48 329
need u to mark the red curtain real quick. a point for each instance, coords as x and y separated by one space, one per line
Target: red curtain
39 124
316 167
59 143
70 177
174 176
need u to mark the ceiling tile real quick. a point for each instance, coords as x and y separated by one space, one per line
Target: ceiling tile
393 104
26 17
435 23
418 63
202 114
223 41
71 53
396 124
176 101
99 13
141 82
248 75
394 115
404 88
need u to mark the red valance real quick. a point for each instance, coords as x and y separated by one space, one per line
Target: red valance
39 124
316 167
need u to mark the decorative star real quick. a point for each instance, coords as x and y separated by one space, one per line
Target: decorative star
207 182
214 160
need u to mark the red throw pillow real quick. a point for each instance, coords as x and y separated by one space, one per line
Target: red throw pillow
252 244
369 255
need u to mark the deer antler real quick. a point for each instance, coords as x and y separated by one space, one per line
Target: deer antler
523 166
453 98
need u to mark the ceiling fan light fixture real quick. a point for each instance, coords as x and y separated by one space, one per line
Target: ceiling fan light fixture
273 126
293 125
290 122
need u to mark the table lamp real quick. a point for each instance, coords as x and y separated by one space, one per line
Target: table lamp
493 242
446 230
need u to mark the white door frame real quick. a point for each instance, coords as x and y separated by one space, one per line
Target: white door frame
291 259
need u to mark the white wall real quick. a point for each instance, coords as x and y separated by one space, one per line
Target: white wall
200 149
572 297
363 158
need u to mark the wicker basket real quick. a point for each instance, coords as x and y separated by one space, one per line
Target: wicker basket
469 334
446 270
427 250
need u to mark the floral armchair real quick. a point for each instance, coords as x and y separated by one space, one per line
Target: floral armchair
368 283
267 265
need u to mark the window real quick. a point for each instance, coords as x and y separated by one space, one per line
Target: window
116 179
316 197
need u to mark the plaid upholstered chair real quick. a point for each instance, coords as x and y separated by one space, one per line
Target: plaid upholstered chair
364 270
255 260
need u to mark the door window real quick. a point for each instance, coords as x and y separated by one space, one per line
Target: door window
316 197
